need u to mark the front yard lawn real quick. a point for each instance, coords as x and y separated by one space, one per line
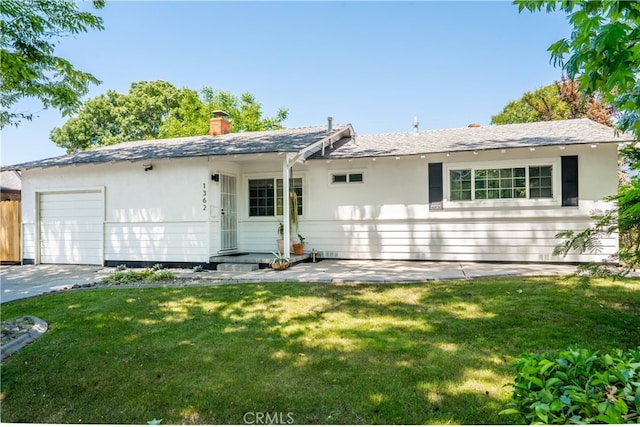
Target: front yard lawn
429 353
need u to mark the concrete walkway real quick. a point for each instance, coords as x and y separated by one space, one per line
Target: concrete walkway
23 281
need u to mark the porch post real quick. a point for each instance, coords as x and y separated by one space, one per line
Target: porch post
285 207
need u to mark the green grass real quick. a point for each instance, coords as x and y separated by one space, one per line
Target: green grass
429 353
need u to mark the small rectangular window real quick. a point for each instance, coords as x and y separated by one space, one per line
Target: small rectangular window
347 178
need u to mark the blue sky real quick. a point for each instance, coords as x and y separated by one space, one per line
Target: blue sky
375 65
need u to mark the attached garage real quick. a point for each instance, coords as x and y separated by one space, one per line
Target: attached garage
71 227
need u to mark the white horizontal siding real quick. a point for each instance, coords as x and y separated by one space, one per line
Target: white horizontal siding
29 241
166 242
483 239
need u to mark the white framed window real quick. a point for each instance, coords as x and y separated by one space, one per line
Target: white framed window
346 177
502 183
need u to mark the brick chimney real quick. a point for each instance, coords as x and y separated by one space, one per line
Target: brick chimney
219 125
474 125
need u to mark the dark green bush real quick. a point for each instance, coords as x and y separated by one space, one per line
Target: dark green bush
577 387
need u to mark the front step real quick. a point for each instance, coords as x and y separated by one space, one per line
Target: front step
227 266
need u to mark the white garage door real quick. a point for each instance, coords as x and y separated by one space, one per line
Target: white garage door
71 227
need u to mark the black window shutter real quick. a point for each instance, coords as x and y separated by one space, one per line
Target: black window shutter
435 186
569 180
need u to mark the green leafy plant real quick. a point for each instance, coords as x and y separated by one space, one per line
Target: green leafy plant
147 275
157 267
279 260
577 386
160 276
121 267
198 269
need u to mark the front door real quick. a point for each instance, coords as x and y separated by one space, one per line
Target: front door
228 214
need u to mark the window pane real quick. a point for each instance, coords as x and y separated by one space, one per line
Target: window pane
460 184
356 177
339 178
540 182
261 197
505 183
295 184
506 193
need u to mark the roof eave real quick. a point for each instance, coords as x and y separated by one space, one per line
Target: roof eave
470 150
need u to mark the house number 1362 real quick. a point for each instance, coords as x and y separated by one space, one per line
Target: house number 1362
204 196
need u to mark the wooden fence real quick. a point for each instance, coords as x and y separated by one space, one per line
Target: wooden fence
10 218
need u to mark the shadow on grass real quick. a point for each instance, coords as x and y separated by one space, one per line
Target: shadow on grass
430 353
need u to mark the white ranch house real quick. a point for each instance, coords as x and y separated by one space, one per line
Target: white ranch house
497 193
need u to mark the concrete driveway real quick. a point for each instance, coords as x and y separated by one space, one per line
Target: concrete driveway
23 281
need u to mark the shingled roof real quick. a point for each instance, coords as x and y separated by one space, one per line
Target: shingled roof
286 140
560 132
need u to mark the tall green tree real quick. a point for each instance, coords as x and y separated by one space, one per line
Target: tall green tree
158 109
30 30
602 52
191 117
557 101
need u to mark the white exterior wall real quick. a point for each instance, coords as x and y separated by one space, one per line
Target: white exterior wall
159 215
172 213
388 217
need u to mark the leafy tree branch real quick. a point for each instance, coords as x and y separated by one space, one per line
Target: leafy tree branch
29 66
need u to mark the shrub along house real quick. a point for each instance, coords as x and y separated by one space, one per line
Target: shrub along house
498 193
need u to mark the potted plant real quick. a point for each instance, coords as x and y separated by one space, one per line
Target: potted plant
298 248
279 262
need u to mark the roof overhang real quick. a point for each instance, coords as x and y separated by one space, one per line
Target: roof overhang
320 146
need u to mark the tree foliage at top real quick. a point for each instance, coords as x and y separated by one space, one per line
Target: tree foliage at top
158 109
558 101
602 53
192 115
30 68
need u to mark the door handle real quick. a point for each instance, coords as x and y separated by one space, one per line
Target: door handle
221 211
